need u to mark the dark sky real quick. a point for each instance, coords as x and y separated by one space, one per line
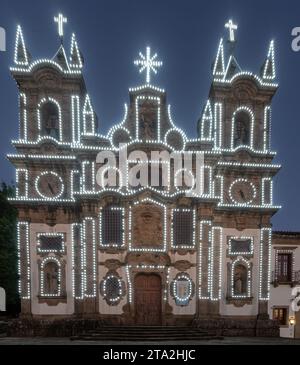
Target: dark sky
185 35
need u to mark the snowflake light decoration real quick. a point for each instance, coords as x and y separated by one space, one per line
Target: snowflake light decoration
148 63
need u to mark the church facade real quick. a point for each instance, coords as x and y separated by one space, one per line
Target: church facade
146 255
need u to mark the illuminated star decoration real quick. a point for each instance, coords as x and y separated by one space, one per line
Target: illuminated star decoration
60 20
148 63
232 27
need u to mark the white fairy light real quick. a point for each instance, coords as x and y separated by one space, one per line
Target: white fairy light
52 100
112 244
42 63
120 290
269 72
89 282
245 263
219 65
265 272
240 238
246 181
247 74
218 117
148 63
50 234
88 113
284 251
207 123
267 128
20 43
74 267
193 217
246 109
43 278
267 199
23 172
60 20
23 252
59 193
75 54
23 116
182 300
202 224
231 27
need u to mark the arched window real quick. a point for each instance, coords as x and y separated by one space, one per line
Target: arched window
242 129
50 278
49 115
240 280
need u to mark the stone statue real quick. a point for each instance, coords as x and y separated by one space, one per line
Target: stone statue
51 126
241 133
51 278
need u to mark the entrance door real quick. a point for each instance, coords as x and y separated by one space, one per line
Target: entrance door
147 289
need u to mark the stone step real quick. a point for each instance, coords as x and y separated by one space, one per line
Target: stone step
142 333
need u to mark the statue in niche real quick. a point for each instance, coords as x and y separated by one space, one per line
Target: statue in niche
51 278
240 280
242 132
147 119
51 126
147 226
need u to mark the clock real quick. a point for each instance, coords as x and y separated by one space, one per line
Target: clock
49 185
242 192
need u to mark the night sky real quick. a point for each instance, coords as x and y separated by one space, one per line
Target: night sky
185 34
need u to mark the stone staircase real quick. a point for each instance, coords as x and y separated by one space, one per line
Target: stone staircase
143 333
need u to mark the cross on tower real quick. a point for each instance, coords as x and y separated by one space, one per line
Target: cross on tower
60 20
232 27
148 63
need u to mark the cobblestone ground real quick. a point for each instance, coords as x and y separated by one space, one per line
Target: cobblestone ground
225 341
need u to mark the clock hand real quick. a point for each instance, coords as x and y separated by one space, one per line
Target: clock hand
50 188
242 194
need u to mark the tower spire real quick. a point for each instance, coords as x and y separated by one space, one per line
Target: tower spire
21 56
75 55
268 68
219 66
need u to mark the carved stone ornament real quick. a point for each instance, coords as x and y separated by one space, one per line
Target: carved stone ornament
112 288
148 258
147 226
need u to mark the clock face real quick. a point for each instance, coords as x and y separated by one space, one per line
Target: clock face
242 191
49 185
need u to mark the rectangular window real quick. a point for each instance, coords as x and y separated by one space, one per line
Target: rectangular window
112 226
241 246
50 242
183 227
280 314
284 267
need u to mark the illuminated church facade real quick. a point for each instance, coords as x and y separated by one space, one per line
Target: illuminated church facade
143 255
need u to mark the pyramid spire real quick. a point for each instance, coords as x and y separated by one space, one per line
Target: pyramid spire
232 67
61 58
76 60
206 122
21 56
268 71
219 67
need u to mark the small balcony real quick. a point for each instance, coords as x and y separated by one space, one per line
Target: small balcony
292 278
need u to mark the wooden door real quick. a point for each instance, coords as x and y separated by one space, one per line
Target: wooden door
147 289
